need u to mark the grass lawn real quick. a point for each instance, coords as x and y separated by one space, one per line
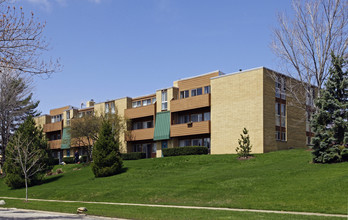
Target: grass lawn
283 180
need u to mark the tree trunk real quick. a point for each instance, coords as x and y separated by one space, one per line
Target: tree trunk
26 188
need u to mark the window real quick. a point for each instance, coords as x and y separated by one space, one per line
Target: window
196 117
68 153
56 118
184 119
146 102
137 148
206 89
164 100
112 104
136 104
154 148
280 87
137 125
147 124
206 142
184 143
106 108
206 116
184 94
195 92
153 100
196 142
68 115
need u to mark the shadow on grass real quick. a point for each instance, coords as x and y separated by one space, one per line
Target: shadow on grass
49 180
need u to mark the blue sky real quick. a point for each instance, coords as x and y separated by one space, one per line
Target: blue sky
115 48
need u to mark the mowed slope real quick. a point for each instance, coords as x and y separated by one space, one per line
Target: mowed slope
283 180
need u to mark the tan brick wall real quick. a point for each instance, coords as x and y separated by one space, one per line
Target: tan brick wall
295 119
41 120
237 102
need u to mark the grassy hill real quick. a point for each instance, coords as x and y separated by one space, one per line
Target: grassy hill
283 180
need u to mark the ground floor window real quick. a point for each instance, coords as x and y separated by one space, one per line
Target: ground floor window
195 142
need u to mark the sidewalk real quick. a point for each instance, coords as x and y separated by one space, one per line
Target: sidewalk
191 207
13 213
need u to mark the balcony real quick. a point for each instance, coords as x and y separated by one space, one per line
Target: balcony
194 128
140 112
199 101
56 144
140 134
57 126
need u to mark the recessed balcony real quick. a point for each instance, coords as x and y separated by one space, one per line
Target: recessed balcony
140 112
140 134
192 128
55 144
57 126
194 102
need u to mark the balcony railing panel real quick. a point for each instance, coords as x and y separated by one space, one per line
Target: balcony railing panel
194 128
195 102
57 126
140 112
140 134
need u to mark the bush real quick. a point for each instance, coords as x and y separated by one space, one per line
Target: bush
54 161
244 148
83 159
68 160
191 150
133 156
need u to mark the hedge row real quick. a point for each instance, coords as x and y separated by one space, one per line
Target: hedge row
68 160
191 150
133 156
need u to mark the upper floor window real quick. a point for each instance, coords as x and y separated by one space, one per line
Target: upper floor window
146 102
184 119
280 87
184 94
68 115
164 100
112 108
106 108
195 92
206 89
56 118
206 116
196 117
136 104
153 100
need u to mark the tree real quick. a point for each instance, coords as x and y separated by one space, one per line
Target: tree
16 104
27 155
304 44
22 42
244 148
84 132
330 121
106 154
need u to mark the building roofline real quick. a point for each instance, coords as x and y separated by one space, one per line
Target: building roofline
191 77
239 72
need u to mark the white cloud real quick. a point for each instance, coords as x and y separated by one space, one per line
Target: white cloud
47 4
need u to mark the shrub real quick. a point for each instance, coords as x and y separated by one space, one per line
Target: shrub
68 160
133 156
244 148
83 159
190 150
54 161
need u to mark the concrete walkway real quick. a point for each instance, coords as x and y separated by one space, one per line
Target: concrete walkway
190 207
13 213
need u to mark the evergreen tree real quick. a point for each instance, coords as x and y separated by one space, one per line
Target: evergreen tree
106 154
244 148
330 120
27 155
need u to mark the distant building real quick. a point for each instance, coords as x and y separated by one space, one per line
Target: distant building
207 110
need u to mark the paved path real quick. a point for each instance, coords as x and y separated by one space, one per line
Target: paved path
190 207
12 213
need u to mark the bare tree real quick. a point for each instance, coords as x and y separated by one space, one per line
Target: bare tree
22 42
84 132
305 43
27 157
15 104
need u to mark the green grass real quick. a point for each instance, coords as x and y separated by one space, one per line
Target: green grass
283 180
135 212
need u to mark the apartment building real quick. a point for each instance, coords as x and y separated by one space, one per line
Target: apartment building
207 110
